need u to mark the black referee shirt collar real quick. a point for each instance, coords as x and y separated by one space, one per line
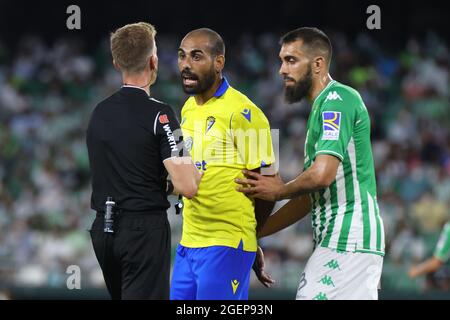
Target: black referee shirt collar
127 86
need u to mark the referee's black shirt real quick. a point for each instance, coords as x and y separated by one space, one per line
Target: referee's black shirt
128 137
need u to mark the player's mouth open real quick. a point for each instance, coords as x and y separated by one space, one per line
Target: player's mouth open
189 81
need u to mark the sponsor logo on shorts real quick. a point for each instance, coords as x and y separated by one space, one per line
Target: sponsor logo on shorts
320 296
326 280
332 264
234 285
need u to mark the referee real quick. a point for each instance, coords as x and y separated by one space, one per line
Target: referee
133 142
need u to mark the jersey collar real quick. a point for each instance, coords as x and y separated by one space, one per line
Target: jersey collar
134 87
323 90
222 88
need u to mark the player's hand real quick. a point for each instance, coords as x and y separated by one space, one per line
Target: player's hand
261 187
258 267
413 272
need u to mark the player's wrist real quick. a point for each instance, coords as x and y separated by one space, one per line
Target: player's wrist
290 190
282 192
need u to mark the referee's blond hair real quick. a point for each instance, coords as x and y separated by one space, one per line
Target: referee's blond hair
132 45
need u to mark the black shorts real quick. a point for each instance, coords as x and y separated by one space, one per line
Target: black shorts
135 260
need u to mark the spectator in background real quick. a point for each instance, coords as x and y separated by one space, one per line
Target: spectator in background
429 213
440 256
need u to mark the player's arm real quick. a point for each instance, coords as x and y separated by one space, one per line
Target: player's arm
263 209
290 213
440 256
185 177
330 151
293 211
319 176
271 188
428 266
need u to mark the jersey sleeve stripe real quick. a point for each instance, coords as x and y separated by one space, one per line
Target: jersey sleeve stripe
330 152
154 124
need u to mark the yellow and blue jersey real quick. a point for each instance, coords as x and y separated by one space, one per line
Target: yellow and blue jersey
225 135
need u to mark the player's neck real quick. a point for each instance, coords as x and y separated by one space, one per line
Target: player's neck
137 80
318 86
202 98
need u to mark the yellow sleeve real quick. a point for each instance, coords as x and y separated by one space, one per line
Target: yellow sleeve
184 108
252 138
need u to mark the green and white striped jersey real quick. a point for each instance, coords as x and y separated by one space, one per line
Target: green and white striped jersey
442 251
345 216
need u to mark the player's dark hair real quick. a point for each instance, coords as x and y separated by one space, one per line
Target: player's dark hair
217 44
313 38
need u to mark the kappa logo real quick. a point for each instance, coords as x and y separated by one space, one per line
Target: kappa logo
234 285
332 264
320 296
326 280
333 96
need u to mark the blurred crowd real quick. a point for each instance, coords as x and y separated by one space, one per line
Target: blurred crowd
48 90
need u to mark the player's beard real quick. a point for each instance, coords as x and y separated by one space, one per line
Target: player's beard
203 83
300 89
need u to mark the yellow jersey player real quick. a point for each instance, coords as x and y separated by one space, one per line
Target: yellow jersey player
225 133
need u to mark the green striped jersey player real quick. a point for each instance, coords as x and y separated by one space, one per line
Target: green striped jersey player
337 185
440 256
345 215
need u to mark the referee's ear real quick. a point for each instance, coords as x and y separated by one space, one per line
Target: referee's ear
154 62
116 66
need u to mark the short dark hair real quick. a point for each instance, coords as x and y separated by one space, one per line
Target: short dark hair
314 38
217 44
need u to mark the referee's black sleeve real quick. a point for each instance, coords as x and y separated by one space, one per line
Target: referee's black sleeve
168 132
